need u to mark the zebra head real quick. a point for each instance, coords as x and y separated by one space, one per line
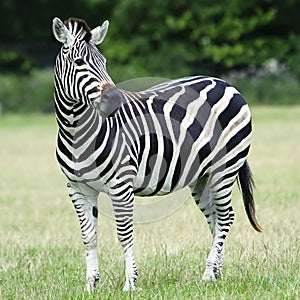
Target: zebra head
80 69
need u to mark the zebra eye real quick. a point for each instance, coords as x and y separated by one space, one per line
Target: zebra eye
79 61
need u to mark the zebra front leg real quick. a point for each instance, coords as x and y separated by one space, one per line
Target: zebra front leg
122 198
85 202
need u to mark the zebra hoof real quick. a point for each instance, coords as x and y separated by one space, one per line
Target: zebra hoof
128 287
90 287
208 277
218 273
92 283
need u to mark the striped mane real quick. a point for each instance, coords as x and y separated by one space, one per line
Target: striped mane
79 28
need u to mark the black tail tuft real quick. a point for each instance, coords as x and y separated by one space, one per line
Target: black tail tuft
247 184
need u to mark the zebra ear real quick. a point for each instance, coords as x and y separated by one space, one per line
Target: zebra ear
99 33
61 32
110 101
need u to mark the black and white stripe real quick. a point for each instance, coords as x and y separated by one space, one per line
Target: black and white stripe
193 131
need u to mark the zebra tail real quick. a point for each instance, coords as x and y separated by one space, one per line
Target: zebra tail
246 185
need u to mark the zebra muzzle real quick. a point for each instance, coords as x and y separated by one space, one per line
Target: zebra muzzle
109 101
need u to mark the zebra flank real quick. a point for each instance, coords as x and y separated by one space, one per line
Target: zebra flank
189 132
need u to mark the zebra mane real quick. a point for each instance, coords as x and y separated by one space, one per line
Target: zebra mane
79 28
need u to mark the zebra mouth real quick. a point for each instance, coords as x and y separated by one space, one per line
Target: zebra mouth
97 103
107 100
99 100
102 105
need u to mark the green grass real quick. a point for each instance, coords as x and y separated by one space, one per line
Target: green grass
42 257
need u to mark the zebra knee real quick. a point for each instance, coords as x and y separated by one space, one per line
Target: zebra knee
89 240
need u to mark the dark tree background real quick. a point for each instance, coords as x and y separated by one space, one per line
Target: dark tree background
158 38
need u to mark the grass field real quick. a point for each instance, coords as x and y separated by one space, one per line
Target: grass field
42 257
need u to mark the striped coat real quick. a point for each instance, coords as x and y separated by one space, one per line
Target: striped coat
193 131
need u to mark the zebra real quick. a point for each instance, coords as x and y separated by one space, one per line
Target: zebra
189 132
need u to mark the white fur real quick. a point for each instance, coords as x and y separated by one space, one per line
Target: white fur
99 33
63 35
61 32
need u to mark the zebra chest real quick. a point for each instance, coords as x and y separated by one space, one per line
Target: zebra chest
84 165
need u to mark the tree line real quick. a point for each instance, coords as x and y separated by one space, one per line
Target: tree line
159 38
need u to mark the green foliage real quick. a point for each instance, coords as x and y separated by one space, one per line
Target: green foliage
14 61
156 38
27 93
170 38
293 58
192 37
279 89
34 92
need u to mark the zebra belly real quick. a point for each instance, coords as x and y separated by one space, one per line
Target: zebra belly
162 170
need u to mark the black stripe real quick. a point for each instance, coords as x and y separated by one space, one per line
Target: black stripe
233 108
199 86
177 173
164 168
215 94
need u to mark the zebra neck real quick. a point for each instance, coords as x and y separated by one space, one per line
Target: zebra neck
75 120
87 140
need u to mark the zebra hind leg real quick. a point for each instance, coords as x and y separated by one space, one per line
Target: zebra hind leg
201 195
220 192
86 206
122 198
203 199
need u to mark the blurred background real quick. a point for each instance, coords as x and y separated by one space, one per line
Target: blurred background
253 44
